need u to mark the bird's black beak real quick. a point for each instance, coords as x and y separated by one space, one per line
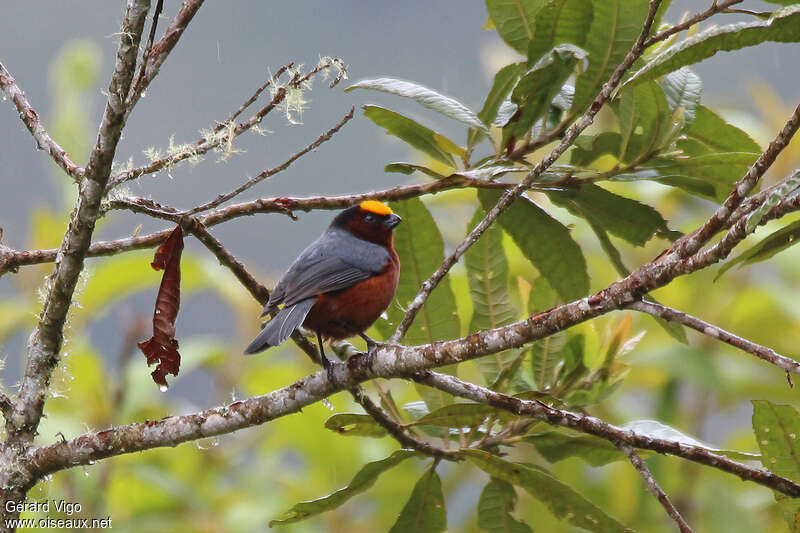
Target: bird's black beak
392 221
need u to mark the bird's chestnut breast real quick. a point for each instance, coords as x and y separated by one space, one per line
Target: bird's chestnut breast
350 311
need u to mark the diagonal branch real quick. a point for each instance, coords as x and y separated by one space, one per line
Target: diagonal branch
715 332
510 196
222 198
716 7
599 428
31 120
156 54
653 486
45 342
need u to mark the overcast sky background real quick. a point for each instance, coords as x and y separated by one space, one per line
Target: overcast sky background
223 56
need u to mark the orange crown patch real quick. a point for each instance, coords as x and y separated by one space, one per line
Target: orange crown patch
376 207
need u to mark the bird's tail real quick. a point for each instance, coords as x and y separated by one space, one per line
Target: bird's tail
279 328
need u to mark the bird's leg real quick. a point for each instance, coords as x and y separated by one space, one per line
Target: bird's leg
325 361
372 344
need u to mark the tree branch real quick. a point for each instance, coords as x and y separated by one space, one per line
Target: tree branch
31 120
509 196
272 171
653 487
45 342
688 23
595 426
673 315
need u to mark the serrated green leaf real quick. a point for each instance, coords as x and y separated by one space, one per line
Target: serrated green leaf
559 498
628 219
355 424
363 480
615 27
457 415
421 249
412 132
447 106
487 274
514 20
425 510
545 242
710 175
555 446
410 168
545 358
772 244
538 87
783 26
709 133
776 428
505 80
683 89
495 506
644 120
560 21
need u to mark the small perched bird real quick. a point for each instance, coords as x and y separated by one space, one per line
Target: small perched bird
340 284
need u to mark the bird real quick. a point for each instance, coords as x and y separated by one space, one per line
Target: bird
340 284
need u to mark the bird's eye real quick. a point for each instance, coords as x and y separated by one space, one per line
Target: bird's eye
369 218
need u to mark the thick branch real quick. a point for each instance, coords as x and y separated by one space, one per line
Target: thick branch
595 426
715 332
31 120
509 196
653 486
45 342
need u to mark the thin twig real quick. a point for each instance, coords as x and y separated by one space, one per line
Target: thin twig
31 120
653 486
715 332
272 171
139 78
247 103
510 196
688 23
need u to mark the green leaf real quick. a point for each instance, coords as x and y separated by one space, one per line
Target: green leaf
458 415
628 219
709 133
776 428
782 191
514 20
410 168
615 27
362 481
354 424
588 148
772 244
418 136
536 90
683 89
545 242
425 510
559 498
487 274
644 121
558 22
421 249
429 98
555 446
710 175
783 26
546 354
495 506
505 80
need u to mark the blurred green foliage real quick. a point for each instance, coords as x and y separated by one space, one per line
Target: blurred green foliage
623 368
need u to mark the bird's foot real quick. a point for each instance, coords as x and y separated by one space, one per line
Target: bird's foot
328 366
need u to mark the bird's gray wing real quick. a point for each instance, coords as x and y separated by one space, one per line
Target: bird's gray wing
335 261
